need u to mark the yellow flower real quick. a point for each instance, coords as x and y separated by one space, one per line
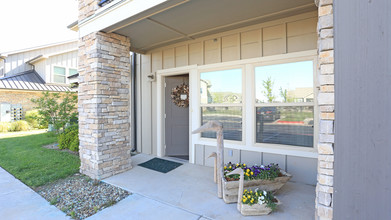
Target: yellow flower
225 167
252 173
247 174
230 167
244 164
244 200
248 196
252 200
248 170
251 191
237 164
245 190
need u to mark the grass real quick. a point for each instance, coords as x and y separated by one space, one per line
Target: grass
297 116
24 157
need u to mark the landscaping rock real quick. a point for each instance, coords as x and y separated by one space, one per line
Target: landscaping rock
80 196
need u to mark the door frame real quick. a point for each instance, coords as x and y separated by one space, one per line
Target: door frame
160 111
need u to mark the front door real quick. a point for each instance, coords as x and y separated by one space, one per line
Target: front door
177 118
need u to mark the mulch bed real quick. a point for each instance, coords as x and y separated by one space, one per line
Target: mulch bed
80 196
54 146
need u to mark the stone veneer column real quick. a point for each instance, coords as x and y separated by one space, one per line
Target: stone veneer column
104 74
324 187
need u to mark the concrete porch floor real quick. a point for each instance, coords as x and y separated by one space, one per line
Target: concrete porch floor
188 192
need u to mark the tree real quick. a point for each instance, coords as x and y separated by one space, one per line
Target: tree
56 109
268 85
284 94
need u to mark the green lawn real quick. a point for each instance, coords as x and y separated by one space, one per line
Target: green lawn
26 159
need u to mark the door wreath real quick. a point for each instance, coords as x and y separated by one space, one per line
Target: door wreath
180 95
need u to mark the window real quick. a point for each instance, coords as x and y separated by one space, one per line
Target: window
221 99
59 74
284 104
72 72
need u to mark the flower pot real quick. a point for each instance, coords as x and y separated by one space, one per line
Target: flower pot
230 188
256 209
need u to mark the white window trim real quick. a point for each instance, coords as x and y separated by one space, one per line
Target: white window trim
242 104
314 104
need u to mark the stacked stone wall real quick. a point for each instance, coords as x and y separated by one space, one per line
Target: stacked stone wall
324 188
104 125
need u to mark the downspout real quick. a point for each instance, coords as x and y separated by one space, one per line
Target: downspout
134 103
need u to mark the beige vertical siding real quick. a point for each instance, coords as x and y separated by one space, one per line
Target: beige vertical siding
181 56
274 40
212 51
251 44
230 48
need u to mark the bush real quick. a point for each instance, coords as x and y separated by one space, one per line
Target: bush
69 139
20 125
14 126
4 126
35 120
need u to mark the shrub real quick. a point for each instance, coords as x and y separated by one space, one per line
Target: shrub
4 126
20 125
35 120
14 126
69 139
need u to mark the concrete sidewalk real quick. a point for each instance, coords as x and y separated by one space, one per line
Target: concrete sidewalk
188 192
18 201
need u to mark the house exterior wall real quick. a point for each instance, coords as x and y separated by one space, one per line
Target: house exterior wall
19 97
45 67
64 54
362 110
279 37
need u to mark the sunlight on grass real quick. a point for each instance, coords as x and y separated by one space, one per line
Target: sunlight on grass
24 157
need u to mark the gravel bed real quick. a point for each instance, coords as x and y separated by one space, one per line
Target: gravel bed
80 196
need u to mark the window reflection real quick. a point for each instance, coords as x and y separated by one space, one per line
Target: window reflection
290 125
221 87
290 82
230 117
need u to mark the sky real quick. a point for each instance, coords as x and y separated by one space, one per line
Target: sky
30 23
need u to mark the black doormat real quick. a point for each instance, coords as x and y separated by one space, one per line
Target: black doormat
160 165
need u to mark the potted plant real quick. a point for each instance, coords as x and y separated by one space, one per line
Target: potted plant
267 178
257 202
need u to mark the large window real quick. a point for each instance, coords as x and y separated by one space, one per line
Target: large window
284 104
59 74
221 100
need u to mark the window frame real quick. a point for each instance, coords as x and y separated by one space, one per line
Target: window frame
314 104
248 141
66 74
242 105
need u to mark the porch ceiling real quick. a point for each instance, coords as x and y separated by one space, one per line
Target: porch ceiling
179 20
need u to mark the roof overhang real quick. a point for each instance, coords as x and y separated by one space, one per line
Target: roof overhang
157 23
36 59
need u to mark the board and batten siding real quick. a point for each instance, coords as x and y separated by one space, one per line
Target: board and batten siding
62 55
67 60
292 34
